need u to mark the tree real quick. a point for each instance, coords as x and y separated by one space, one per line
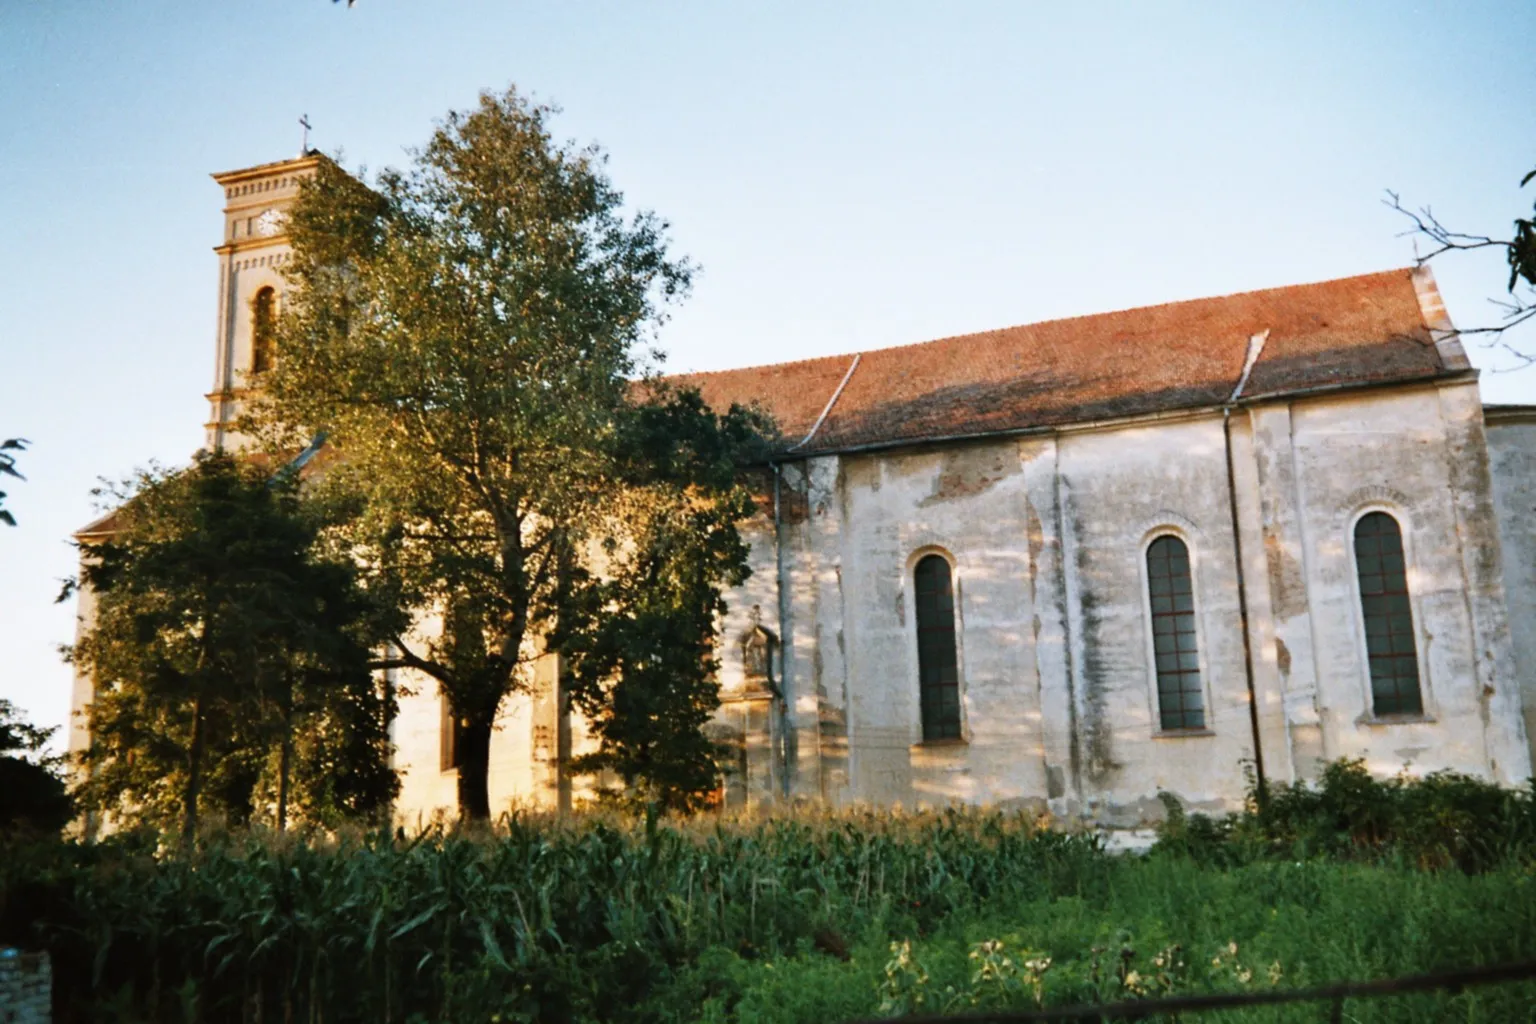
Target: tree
467 332
225 637
32 795
8 468
639 637
1519 251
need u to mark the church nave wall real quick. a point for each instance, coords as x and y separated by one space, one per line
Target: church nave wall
1512 455
1395 452
1048 544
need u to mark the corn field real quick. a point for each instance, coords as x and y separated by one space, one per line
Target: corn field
796 919
542 920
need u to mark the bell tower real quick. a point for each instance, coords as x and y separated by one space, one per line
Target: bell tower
251 255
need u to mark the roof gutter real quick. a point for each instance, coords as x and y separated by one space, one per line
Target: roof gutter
1192 412
779 762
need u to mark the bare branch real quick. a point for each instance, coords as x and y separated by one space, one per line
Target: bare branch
1443 240
1426 224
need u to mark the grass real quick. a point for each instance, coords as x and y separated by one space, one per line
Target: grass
1160 928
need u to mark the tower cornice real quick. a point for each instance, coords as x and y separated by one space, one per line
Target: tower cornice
252 244
246 174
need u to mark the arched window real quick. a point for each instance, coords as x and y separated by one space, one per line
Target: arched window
263 326
937 667
1175 648
1389 644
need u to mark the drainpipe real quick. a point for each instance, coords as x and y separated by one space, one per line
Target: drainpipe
781 747
779 762
1255 346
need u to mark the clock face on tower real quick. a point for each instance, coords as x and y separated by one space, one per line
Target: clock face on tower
268 223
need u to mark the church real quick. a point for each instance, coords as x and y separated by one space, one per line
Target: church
1070 565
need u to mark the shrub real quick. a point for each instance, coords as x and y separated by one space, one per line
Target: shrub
1443 820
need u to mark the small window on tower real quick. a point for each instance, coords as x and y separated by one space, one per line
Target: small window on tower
263 327
450 729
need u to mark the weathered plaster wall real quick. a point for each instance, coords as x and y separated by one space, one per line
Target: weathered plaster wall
526 743
1404 452
1047 535
1121 489
749 716
1046 540
1512 456
966 503
525 759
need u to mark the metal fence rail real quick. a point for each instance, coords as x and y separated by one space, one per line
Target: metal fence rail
1140 1009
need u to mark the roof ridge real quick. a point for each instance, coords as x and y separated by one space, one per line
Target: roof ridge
840 356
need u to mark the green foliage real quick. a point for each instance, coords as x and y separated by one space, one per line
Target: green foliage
467 330
231 656
639 637
548 920
8 468
17 735
1443 820
33 797
1160 927
1522 247
785 920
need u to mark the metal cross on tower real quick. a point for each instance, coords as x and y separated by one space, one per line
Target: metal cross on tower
304 145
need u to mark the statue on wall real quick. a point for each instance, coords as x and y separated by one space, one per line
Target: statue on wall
757 646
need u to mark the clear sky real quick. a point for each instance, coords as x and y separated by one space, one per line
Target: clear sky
849 175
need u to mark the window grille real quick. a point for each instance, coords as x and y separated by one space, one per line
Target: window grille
1175 648
937 666
1389 642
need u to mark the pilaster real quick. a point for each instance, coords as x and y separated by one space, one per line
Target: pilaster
1477 535
1052 665
1277 566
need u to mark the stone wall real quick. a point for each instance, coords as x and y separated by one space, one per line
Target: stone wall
26 987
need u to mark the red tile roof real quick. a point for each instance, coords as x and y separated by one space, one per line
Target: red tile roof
1356 330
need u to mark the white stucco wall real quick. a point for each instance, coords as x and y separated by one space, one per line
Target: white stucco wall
1046 535
1404 452
1512 456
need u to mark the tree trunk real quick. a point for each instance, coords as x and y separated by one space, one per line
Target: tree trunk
194 773
474 751
285 760
389 806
